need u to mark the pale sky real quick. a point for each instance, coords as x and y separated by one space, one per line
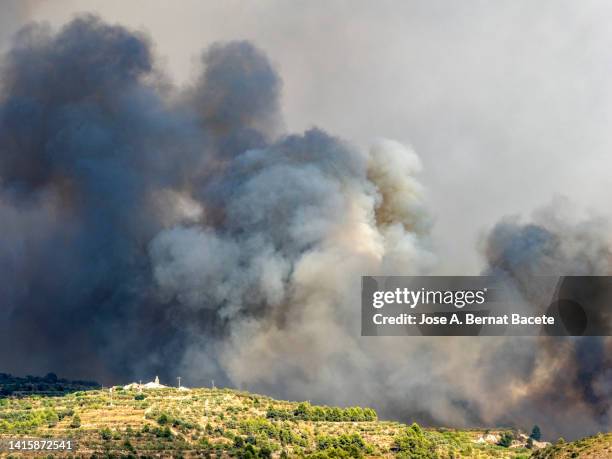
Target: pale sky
508 103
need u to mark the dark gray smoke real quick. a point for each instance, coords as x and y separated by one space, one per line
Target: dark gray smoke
87 147
572 372
151 231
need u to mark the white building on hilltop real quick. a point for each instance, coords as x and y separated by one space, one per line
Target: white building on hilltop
150 385
154 384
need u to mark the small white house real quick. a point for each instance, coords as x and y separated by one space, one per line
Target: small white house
154 384
150 385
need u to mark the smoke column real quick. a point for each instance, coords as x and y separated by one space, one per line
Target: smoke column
150 230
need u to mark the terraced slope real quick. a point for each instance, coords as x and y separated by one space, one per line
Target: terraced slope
228 423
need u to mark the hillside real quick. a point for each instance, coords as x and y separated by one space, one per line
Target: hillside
595 447
227 423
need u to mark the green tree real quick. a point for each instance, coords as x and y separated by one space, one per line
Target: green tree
302 411
536 433
343 446
163 433
370 414
506 439
413 444
76 422
106 434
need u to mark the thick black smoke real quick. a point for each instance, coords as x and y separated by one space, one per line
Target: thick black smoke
150 231
88 147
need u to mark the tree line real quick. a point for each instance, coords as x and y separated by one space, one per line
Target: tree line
305 412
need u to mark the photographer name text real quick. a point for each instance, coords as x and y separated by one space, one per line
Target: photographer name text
461 319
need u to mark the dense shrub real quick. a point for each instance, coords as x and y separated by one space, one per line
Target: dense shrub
27 419
506 439
256 426
250 448
106 434
413 444
342 446
65 413
76 422
288 437
163 433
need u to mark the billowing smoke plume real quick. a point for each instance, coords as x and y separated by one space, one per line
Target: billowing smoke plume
150 231
574 372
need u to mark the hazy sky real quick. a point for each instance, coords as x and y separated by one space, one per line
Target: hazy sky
508 103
